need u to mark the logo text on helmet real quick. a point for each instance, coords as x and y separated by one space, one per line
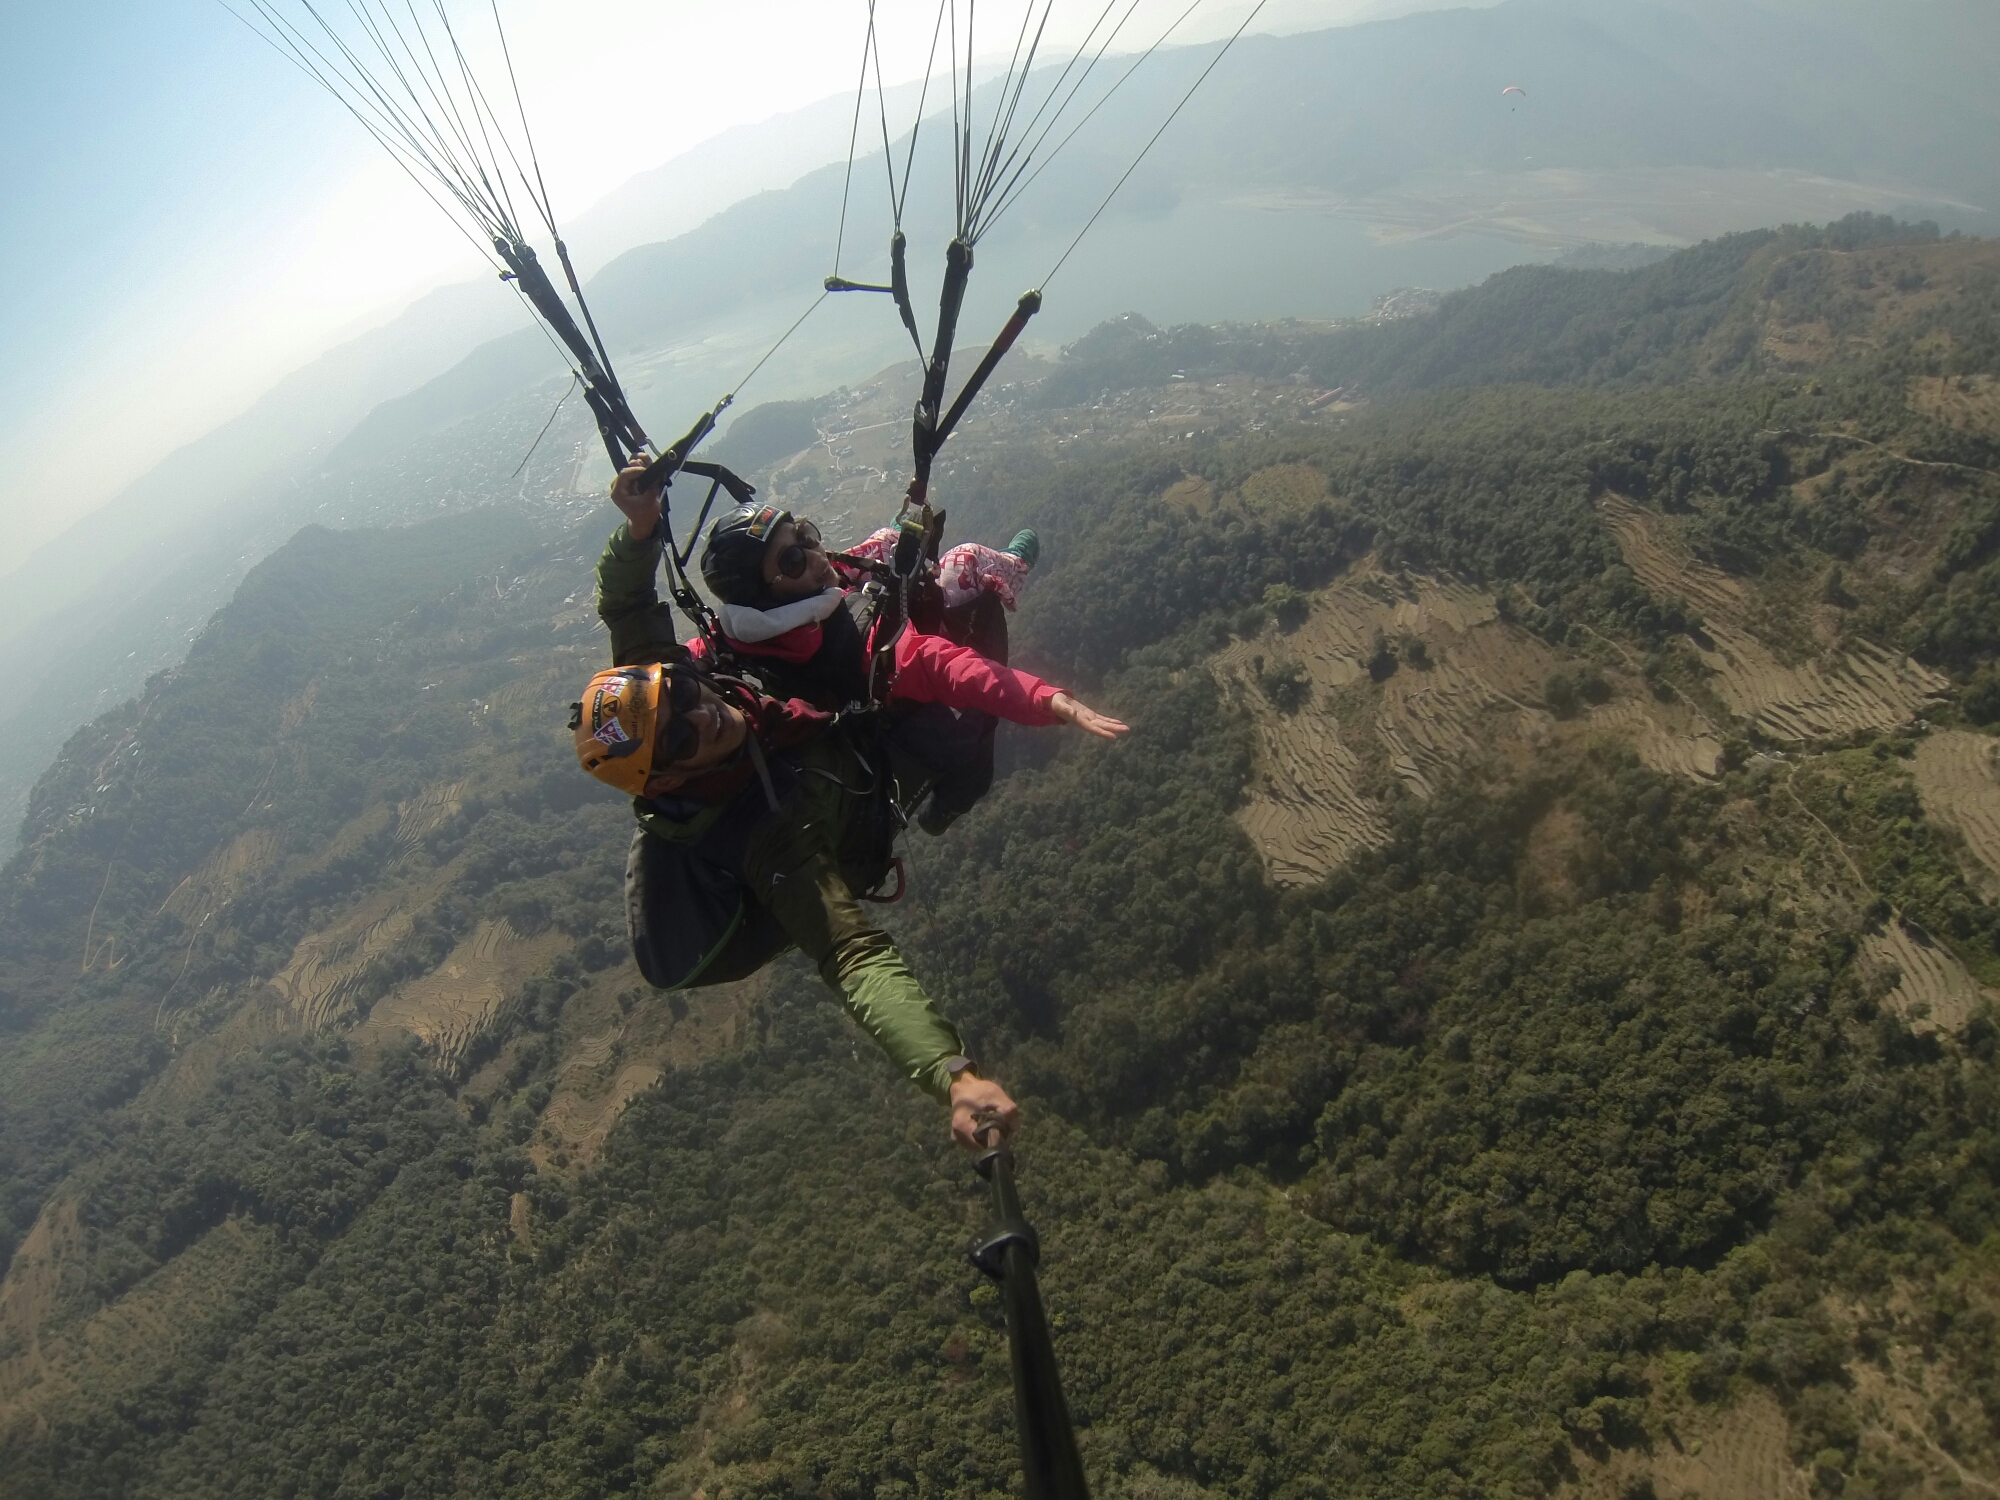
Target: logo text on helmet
604 702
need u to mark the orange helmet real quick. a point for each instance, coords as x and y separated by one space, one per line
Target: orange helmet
616 726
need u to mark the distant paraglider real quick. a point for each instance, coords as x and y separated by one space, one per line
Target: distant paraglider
1513 88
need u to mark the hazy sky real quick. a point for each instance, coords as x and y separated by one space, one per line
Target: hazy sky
184 218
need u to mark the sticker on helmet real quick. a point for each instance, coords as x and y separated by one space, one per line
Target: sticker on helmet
611 734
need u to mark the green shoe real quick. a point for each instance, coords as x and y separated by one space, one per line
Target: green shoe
1026 546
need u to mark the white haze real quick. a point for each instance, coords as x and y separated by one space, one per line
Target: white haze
290 259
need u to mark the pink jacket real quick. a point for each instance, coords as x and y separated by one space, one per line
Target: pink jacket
930 669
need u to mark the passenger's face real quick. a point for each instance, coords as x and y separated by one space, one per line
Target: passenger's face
801 543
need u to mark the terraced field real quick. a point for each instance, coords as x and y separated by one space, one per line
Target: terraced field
1742 1456
1935 991
447 1008
425 813
581 1120
1669 737
1312 805
1460 683
326 968
222 875
1959 782
1864 688
1477 687
612 1058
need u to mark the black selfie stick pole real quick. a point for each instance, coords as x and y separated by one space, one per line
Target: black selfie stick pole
1009 1252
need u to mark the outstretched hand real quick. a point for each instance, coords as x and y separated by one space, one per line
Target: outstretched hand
1089 720
977 1106
641 507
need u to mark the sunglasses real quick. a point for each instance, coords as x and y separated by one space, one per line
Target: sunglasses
792 559
678 739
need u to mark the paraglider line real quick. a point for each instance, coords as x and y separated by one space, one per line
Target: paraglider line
923 97
1155 138
433 81
961 159
423 134
482 111
853 139
548 212
881 100
775 347
288 50
545 427
1010 193
420 138
417 96
1022 153
1009 100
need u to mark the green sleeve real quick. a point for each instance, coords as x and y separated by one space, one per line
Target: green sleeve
793 869
628 598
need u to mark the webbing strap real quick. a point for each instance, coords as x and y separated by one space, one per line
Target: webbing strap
620 429
676 556
763 770
924 438
1026 308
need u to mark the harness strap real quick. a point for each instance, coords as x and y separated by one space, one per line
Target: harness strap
924 437
882 649
899 287
1026 308
676 556
763 770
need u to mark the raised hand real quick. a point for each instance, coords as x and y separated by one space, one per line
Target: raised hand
641 507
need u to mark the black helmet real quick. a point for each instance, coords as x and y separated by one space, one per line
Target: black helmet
732 564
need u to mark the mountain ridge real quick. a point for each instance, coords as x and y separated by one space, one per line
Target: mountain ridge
1381 109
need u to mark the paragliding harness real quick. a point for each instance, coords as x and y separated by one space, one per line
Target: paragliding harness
720 930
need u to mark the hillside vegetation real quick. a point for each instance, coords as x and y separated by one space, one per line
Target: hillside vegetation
1514 1018
1392 160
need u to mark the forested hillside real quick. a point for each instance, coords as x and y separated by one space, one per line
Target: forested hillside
1514 1018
